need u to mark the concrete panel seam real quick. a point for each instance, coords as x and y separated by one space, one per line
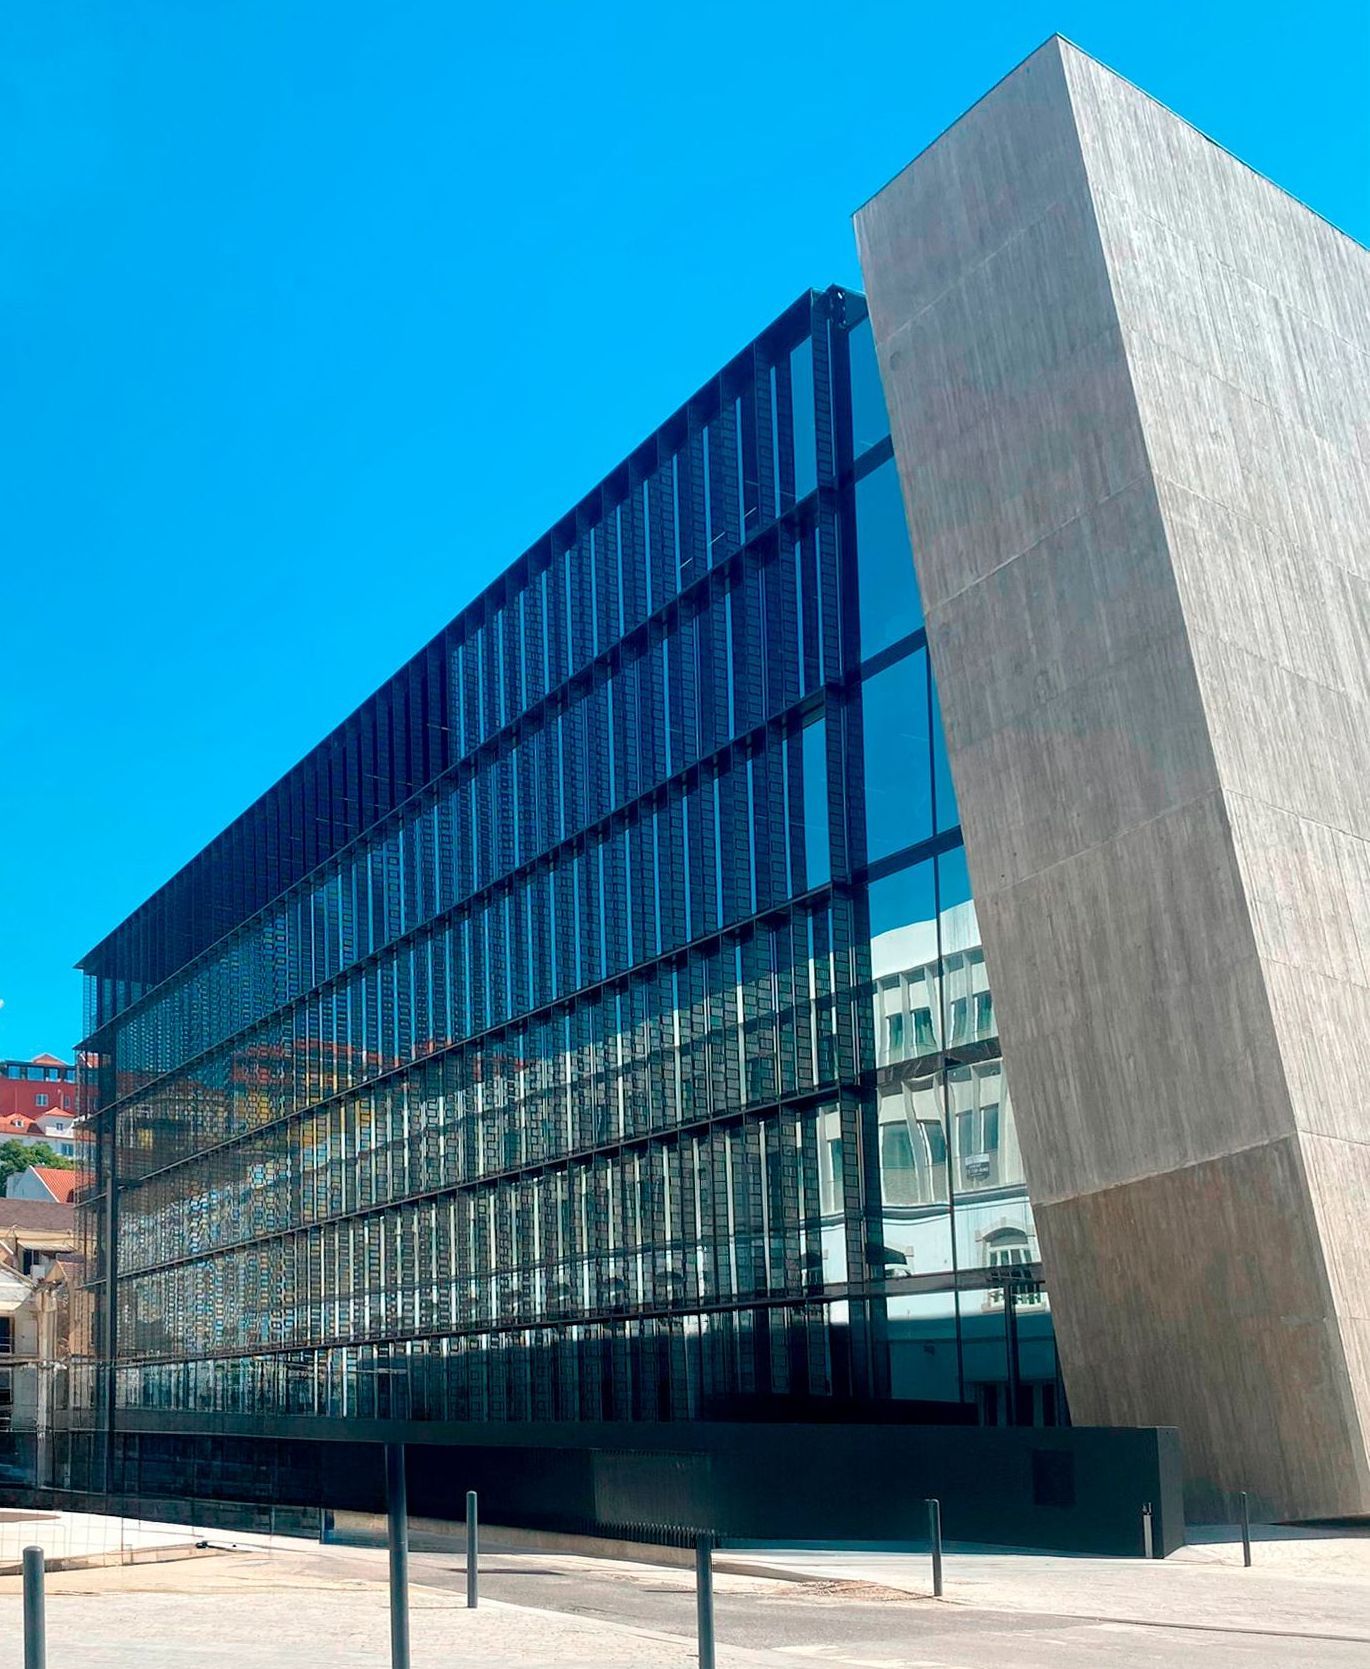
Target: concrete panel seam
1143 476
1282 414
1341 1364
1285 1139
1216 256
1284 811
1235 510
967 274
1029 875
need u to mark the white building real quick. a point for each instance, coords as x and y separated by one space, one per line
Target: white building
37 1246
57 1127
45 1182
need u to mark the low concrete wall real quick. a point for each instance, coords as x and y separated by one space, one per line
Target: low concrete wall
118 1556
1067 1489
439 1535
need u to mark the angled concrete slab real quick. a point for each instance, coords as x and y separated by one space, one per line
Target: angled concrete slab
1129 388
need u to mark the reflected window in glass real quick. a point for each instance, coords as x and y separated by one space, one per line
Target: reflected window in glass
958 923
898 1175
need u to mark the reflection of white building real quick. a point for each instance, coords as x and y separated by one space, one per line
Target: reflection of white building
951 1177
36 1250
946 1121
57 1129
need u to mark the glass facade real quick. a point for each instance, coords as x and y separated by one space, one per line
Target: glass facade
595 1025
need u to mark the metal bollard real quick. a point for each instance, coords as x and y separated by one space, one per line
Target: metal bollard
1246 1530
472 1551
35 1627
397 1508
1146 1532
935 1537
704 1598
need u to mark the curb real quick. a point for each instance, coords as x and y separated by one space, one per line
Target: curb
119 1556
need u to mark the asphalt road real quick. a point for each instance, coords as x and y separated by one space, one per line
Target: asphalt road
855 1624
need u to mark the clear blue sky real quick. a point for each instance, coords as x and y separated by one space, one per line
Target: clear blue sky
313 316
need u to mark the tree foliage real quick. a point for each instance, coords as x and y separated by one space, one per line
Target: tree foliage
18 1156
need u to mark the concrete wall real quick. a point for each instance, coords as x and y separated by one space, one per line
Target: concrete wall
1072 1489
1128 390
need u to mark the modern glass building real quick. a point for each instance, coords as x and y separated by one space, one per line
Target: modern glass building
590 1041
595 1025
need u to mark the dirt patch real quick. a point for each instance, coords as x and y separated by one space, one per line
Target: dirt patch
840 1592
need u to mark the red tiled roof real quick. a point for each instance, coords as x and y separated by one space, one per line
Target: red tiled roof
48 1060
60 1184
16 1124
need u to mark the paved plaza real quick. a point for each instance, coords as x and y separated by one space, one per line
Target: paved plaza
267 1604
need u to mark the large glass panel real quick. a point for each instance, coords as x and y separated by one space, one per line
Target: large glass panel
890 604
831 1196
898 787
870 422
924 1358
914 1157
817 841
986 1154
903 918
995 1234
960 937
805 431
903 965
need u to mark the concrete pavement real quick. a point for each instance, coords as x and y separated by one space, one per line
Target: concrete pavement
272 1604
1305 1583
